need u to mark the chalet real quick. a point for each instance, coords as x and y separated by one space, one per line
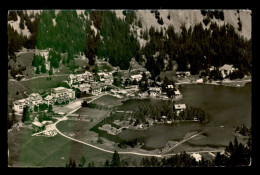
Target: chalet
84 88
37 126
20 104
155 91
137 77
226 70
49 100
86 77
34 99
96 89
178 108
62 94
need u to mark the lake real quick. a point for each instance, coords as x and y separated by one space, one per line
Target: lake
227 106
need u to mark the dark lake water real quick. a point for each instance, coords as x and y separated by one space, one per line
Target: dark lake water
227 106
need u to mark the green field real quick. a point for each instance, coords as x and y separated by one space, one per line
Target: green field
28 151
95 114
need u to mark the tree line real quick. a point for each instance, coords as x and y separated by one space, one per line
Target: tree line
197 49
235 155
165 108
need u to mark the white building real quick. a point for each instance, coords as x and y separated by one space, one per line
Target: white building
226 70
86 77
62 94
155 91
178 108
137 77
20 104
49 100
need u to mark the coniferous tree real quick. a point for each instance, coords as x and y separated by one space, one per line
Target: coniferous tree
115 162
37 70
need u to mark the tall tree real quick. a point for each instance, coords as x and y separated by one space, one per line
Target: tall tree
115 162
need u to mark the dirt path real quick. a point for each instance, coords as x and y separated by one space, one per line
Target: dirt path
185 140
41 76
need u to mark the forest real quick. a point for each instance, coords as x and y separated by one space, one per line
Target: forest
194 49
197 49
165 108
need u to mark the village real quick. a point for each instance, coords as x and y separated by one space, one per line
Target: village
103 82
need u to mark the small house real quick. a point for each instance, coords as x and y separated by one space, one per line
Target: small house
37 126
137 77
226 70
177 93
170 86
155 91
49 100
177 108
20 104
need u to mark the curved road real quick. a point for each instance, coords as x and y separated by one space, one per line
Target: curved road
53 127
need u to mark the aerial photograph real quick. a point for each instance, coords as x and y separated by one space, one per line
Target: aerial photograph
108 88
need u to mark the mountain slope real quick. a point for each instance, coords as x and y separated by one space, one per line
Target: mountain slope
193 17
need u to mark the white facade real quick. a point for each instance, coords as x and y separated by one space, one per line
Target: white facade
20 104
62 93
226 70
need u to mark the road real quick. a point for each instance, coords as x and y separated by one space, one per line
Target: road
53 127
41 76
185 140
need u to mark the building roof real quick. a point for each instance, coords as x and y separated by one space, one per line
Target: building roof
21 101
49 97
179 106
37 124
59 89
136 76
226 67
170 86
35 96
155 89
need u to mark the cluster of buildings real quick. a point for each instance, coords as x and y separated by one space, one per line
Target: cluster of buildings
59 95
85 82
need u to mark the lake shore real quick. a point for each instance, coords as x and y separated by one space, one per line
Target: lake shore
225 82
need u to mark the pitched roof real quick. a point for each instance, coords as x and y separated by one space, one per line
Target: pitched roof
155 89
49 97
226 67
35 96
37 124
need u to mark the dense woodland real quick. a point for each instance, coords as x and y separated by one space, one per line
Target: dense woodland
197 49
165 108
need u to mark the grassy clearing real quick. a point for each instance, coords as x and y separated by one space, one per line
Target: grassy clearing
28 151
95 114
73 126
